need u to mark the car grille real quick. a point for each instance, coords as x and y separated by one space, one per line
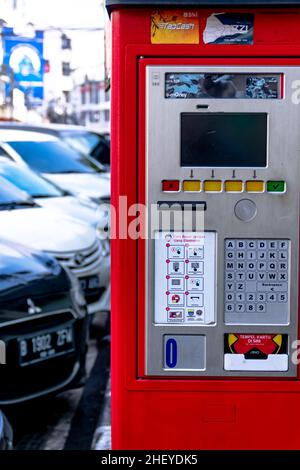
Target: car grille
85 264
84 261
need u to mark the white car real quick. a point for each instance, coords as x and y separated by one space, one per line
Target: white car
50 196
73 243
88 141
58 162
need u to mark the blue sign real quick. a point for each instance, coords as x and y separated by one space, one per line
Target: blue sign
24 56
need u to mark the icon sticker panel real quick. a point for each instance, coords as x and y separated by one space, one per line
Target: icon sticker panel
181 258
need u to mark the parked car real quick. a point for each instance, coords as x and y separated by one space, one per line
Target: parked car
6 433
82 139
71 242
49 195
86 141
46 194
69 169
43 324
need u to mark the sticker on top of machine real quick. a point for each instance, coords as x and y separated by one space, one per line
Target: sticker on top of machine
229 28
175 27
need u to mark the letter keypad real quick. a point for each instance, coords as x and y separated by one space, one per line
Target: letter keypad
256 281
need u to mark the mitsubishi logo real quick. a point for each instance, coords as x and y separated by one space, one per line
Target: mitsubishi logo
32 308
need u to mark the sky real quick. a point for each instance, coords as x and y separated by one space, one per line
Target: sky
88 46
64 13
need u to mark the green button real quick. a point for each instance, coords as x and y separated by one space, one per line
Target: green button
276 186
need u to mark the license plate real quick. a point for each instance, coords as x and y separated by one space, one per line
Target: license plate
45 345
90 283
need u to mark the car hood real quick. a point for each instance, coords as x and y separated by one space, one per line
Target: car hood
70 206
41 229
27 274
92 185
16 259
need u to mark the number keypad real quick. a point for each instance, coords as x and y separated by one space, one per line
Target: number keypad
256 281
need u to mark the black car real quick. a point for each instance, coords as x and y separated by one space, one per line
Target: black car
84 141
43 325
6 433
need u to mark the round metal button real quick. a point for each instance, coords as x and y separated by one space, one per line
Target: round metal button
245 210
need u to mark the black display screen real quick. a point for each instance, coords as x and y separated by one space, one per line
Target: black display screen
224 140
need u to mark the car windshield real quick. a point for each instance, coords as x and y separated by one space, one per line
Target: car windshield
53 156
29 181
10 195
89 143
84 142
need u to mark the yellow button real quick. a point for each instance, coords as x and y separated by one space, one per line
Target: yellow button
213 186
192 186
255 186
234 186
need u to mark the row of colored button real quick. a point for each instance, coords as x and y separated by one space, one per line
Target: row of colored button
230 186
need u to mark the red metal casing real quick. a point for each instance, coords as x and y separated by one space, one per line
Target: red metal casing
178 413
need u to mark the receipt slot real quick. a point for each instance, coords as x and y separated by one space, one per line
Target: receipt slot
205 122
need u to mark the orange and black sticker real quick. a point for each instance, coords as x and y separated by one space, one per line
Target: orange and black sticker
175 27
255 346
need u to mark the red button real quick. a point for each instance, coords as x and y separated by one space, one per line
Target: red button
171 185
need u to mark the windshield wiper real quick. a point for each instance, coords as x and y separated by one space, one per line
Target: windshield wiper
15 204
68 172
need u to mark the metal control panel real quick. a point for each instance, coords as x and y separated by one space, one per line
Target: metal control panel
223 300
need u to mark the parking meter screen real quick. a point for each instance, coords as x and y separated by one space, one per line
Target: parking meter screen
224 140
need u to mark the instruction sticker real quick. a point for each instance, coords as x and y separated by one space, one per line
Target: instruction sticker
175 27
256 352
229 28
255 346
185 277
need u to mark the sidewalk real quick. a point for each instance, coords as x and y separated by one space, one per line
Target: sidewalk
102 436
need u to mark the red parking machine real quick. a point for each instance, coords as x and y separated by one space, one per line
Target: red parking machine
205 123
